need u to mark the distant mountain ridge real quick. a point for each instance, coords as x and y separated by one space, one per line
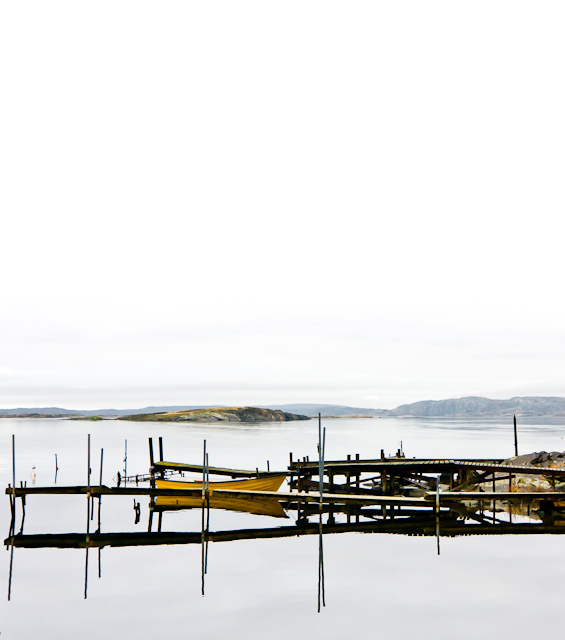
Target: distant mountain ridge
469 407
473 406
58 411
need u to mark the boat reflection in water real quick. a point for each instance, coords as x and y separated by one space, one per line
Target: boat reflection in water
252 504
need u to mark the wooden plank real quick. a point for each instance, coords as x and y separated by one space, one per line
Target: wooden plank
313 496
431 466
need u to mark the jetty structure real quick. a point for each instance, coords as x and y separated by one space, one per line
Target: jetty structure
387 481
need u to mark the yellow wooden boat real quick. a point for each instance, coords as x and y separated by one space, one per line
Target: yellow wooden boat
266 483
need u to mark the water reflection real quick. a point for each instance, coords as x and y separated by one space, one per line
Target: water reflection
478 517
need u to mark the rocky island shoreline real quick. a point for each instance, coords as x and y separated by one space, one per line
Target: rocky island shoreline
218 414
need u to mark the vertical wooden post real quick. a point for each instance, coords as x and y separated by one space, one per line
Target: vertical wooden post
437 514
509 482
320 456
161 449
14 464
515 437
151 463
88 466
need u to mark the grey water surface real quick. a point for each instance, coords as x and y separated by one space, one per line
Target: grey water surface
379 585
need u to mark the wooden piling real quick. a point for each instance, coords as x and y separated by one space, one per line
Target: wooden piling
88 464
151 464
515 438
161 458
14 464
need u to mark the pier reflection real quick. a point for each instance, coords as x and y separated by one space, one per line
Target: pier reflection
469 518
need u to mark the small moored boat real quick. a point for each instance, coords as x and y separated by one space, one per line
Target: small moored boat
266 483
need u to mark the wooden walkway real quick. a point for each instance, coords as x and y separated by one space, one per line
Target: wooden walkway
286 496
422 466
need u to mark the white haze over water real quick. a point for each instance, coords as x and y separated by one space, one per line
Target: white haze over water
255 203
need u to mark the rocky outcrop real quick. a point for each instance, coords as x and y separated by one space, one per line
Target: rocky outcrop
220 414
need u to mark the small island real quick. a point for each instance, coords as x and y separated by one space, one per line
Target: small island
218 414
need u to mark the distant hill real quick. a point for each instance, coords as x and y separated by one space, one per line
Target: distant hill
218 414
326 410
54 412
473 406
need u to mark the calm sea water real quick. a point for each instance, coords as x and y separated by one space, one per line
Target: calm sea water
386 586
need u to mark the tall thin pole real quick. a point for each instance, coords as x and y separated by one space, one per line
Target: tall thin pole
151 463
100 500
88 466
88 498
13 522
203 535
321 446
437 514
14 464
515 438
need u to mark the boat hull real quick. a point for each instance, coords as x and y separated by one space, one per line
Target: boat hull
267 483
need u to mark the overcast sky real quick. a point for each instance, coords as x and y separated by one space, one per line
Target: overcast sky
267 202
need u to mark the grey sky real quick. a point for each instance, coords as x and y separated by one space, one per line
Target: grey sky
247 203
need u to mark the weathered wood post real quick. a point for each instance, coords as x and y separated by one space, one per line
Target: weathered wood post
437 514
151 464
515 437
161 458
